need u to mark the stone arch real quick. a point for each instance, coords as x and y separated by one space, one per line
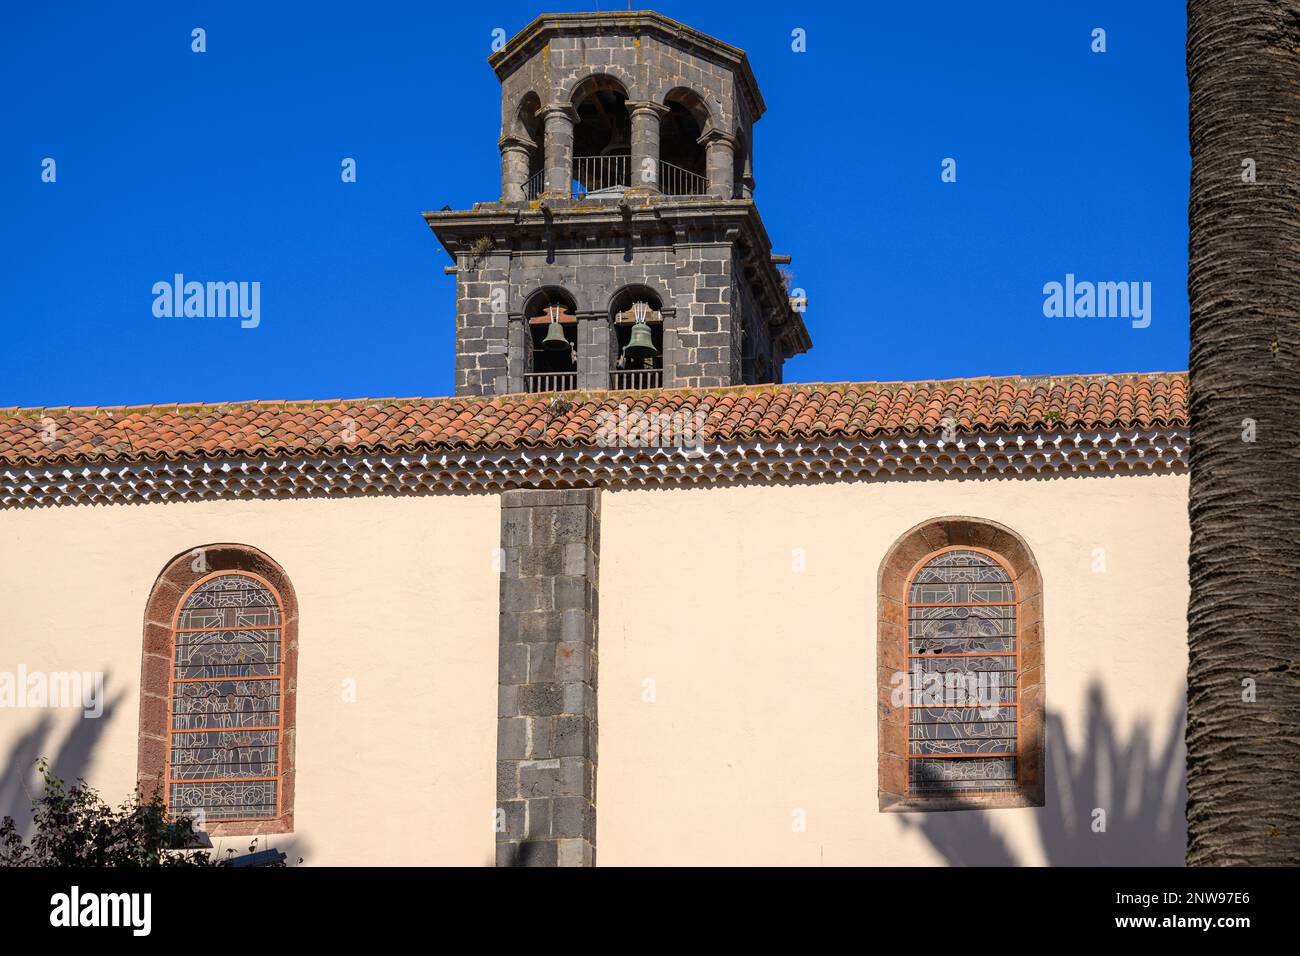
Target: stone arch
536 319
570 89
695 103
711 92
174 584
525 123
661 299
545 295
903 559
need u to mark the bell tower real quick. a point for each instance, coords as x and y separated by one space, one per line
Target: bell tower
625 251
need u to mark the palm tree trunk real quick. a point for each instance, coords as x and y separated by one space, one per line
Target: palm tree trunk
1243 755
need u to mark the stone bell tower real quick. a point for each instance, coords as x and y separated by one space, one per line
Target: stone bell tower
626 250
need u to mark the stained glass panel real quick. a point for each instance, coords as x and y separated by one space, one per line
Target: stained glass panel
937 778
962 629
224 758
963 694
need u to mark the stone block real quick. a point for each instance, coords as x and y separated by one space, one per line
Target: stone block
512 738
512 663
545 778
541 700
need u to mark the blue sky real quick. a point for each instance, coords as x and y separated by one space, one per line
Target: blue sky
225 166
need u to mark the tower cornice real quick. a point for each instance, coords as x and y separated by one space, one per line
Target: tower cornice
675 222
537 34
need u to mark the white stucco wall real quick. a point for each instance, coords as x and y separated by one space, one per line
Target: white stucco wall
750 610
397 594
763 675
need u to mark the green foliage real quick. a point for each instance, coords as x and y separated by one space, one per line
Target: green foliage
75 827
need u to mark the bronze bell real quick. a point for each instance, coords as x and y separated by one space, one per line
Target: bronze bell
555 340
640 345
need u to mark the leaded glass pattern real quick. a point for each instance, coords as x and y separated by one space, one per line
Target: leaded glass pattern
963 729
224 754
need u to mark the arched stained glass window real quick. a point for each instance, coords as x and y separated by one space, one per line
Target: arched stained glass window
962 711
225 728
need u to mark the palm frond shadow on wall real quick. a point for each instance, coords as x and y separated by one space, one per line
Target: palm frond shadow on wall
1142 791
71 758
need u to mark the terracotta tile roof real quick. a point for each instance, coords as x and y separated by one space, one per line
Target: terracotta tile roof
765 413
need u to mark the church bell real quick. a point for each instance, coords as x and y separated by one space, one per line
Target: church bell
640 344
555 340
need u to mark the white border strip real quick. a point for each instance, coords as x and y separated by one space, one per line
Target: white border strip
1013 454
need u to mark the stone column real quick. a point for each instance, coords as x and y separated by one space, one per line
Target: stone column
747 183
559 122
515 153
593 350
546 695
518 344
645 145
721 163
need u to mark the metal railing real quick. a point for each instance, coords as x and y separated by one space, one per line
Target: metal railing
592 173
550 381
536 183
675 181
636 378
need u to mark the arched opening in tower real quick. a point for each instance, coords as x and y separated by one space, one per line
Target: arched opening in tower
602 137
638 339
529 127
552 326
685 164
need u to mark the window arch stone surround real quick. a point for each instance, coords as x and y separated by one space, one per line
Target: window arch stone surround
173 584
905 556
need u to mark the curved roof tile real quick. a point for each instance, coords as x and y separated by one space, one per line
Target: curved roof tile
766 413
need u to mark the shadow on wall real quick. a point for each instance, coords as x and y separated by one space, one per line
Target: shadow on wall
70 758
1143 795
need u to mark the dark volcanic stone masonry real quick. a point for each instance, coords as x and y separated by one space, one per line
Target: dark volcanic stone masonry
546 714
728 318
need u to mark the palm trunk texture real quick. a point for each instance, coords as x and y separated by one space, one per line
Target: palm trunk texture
1243 754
